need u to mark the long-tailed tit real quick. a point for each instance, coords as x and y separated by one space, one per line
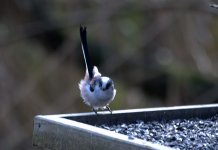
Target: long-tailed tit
97 91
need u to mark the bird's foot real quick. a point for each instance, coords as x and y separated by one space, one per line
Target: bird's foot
108 108
94 110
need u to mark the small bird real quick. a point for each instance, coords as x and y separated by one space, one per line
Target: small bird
96 91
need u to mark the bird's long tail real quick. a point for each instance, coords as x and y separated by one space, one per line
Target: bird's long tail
84 44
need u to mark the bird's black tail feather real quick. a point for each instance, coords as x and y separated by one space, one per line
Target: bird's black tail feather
83 37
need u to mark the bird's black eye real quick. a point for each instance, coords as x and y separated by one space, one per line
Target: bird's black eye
108 85
100 83
91 88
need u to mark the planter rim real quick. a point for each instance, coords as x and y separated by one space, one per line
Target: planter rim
134 110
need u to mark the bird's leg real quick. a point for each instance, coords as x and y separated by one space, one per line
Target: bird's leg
94 110
108 108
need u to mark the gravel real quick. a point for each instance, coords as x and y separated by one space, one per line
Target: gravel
182 134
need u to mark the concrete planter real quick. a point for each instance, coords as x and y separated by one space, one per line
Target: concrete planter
79 131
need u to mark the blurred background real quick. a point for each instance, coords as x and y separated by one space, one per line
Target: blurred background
158 52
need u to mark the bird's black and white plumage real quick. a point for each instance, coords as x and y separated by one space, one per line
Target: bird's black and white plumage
97 91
